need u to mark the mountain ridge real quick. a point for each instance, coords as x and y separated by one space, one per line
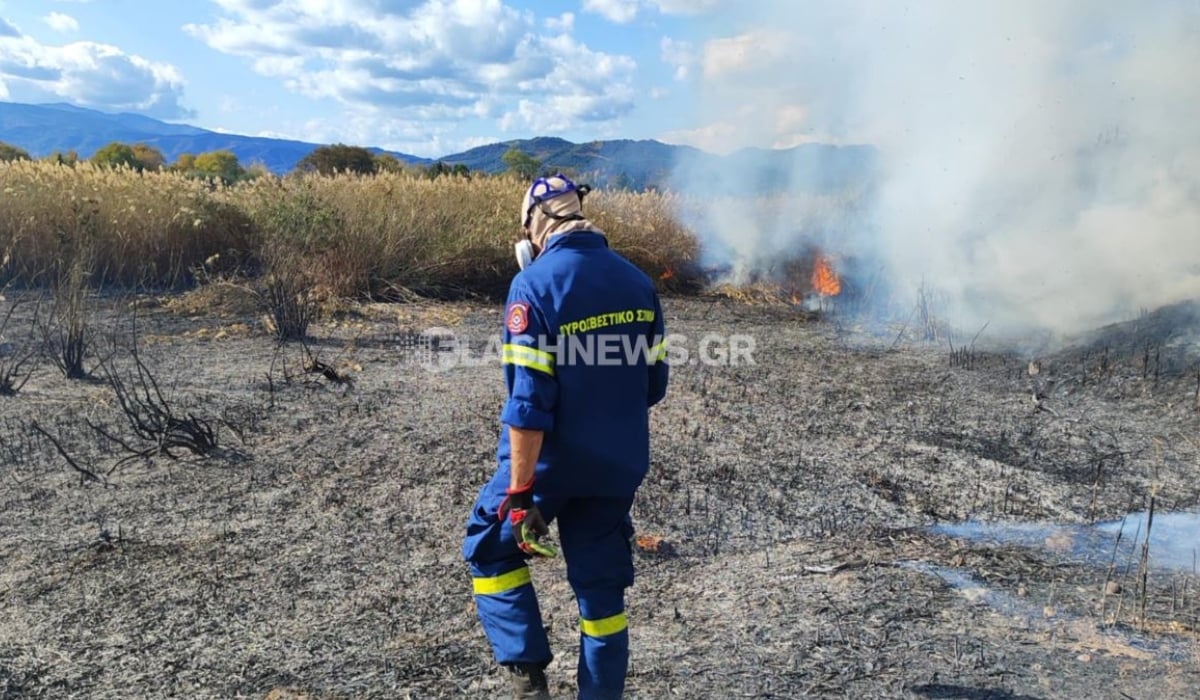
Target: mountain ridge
628 163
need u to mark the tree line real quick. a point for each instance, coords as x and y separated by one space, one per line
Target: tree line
224 166
220 165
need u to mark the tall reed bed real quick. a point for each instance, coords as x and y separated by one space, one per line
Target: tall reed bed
383 236
127 228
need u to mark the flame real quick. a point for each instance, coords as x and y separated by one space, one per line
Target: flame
667 274
824 280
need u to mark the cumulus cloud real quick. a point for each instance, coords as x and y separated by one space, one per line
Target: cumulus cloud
90 74
1039 162
432 59
61 23
688 7
625 11
563 23
679 54
619 11
755 54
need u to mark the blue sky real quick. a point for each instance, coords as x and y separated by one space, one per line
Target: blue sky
428 77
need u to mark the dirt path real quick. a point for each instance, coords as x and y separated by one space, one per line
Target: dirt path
318 555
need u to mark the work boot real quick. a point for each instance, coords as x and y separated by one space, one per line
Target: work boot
529 682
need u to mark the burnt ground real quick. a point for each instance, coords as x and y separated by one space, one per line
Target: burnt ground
316 553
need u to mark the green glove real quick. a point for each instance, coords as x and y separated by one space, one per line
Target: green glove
527 522
529 527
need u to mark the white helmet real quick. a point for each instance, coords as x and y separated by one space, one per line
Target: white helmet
547 188
542 190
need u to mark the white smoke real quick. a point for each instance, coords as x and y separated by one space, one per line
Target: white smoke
1040 161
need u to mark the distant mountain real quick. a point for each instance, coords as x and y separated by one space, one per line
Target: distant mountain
43 129
641 164
634 164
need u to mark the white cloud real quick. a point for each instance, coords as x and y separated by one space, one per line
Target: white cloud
564 23
561 112
61 23
625 11
755 52
790 118
679 54
89 74
619 11
432 60
688 7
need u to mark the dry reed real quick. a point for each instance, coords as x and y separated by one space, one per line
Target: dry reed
391 235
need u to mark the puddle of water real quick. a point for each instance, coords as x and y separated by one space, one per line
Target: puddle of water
1174 539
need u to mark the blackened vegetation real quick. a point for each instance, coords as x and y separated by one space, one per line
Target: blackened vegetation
314 365
17 357
84 472
1162 344
965 356
158 427
288 298
135 417
65 332
308 370
784 548
295 226
19 444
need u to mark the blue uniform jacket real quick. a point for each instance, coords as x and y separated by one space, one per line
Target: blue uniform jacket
584 356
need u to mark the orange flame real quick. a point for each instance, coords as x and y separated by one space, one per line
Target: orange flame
667 274
824 280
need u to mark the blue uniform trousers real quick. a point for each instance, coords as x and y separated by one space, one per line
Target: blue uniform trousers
595 534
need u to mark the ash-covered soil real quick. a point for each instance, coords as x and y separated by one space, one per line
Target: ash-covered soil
316 553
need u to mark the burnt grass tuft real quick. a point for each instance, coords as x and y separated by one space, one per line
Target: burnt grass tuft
786 548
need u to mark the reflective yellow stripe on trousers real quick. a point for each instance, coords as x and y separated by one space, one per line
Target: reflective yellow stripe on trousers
605 626
502 583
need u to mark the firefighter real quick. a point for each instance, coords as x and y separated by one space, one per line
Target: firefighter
584 359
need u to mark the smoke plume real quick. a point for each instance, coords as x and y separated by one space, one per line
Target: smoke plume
1038 162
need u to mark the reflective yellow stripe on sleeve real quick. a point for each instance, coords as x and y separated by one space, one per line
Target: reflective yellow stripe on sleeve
502 583
603 628
659 352
526 356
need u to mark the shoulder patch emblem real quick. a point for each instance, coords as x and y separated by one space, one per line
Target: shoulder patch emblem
517 318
